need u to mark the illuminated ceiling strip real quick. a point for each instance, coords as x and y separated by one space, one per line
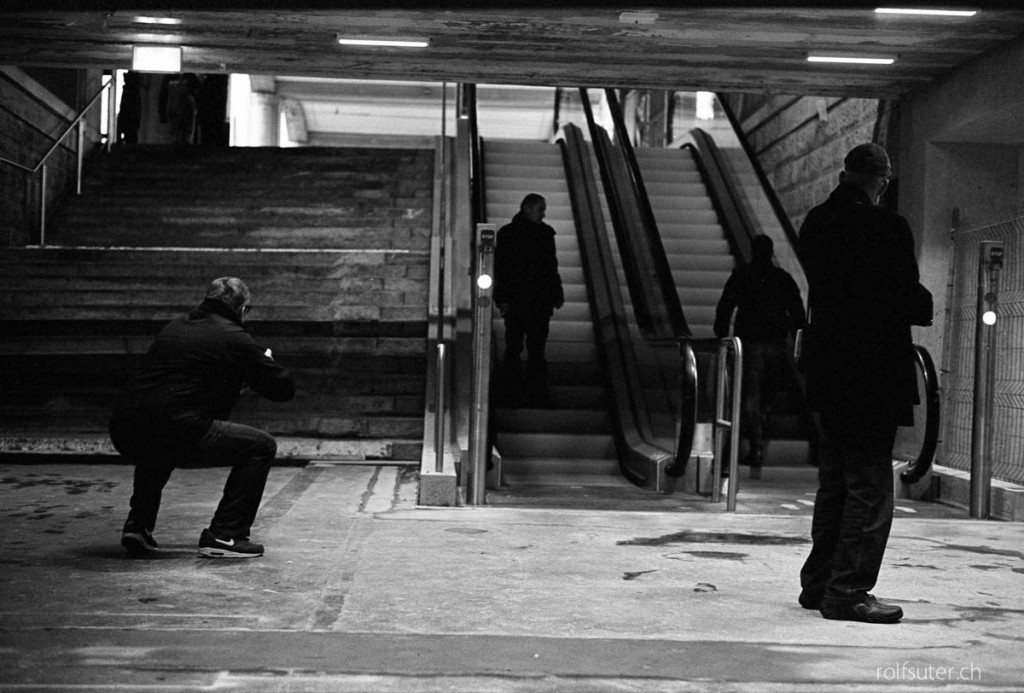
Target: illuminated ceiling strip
157 20
381 41
849 60
926 12
156 58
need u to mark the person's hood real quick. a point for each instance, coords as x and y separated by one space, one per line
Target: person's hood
210 306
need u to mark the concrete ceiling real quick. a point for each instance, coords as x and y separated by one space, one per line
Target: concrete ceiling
687 46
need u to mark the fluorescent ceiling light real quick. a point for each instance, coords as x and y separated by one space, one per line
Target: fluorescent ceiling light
157 20
383 41
850 60
156 58
925 11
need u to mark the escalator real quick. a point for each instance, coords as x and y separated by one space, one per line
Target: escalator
576 454
702 251
570 443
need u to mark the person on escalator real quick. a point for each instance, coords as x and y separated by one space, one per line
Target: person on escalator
769 311
527 290
858 359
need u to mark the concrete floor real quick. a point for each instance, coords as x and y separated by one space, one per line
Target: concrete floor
360 590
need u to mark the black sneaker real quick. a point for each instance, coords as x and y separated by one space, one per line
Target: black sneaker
138 541
213 546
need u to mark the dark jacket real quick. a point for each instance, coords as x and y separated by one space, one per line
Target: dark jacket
526 266
864 294
767 304
193 374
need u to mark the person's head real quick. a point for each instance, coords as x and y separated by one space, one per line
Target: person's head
533 207
867 167
762 248
232 292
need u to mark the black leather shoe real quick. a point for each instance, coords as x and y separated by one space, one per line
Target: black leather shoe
810 600
867 609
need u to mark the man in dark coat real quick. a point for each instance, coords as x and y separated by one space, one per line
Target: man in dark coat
527 289
769 312
174 412
864 295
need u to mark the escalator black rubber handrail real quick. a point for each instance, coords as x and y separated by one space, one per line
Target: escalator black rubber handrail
762 177
740 229
631 433
476 160
919 467
659 260
631 258
687 410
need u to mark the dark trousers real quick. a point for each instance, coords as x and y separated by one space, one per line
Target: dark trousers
852 517
524 323
530 325
761 365
248 451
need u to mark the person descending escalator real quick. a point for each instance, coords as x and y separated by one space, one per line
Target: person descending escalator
769 311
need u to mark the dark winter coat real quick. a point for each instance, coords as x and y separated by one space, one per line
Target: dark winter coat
767 304
864 294
193 374
526 266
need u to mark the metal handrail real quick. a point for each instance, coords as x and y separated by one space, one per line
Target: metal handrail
688 348
40 167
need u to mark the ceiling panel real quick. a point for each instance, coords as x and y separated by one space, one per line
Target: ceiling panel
680 46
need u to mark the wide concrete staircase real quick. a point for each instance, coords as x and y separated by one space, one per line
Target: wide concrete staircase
571 443
333 243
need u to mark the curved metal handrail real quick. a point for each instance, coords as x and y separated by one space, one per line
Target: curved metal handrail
919 467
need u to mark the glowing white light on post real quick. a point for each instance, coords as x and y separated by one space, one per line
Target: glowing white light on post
484 281
989 317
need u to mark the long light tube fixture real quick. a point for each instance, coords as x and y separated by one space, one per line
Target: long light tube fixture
922 11
849 60
408 42
156 58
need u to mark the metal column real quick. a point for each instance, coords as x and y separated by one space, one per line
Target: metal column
990 262
480 410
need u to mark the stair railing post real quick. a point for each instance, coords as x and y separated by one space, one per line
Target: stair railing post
732 425
79 153
737 399
439 410
42 205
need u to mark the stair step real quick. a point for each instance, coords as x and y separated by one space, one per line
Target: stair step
559 469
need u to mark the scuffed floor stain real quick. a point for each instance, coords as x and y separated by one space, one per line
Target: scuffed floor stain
705 587
724 555
915 565
72 487
689 537
633 576
983 550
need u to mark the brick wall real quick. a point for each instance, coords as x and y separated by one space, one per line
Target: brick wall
801 141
